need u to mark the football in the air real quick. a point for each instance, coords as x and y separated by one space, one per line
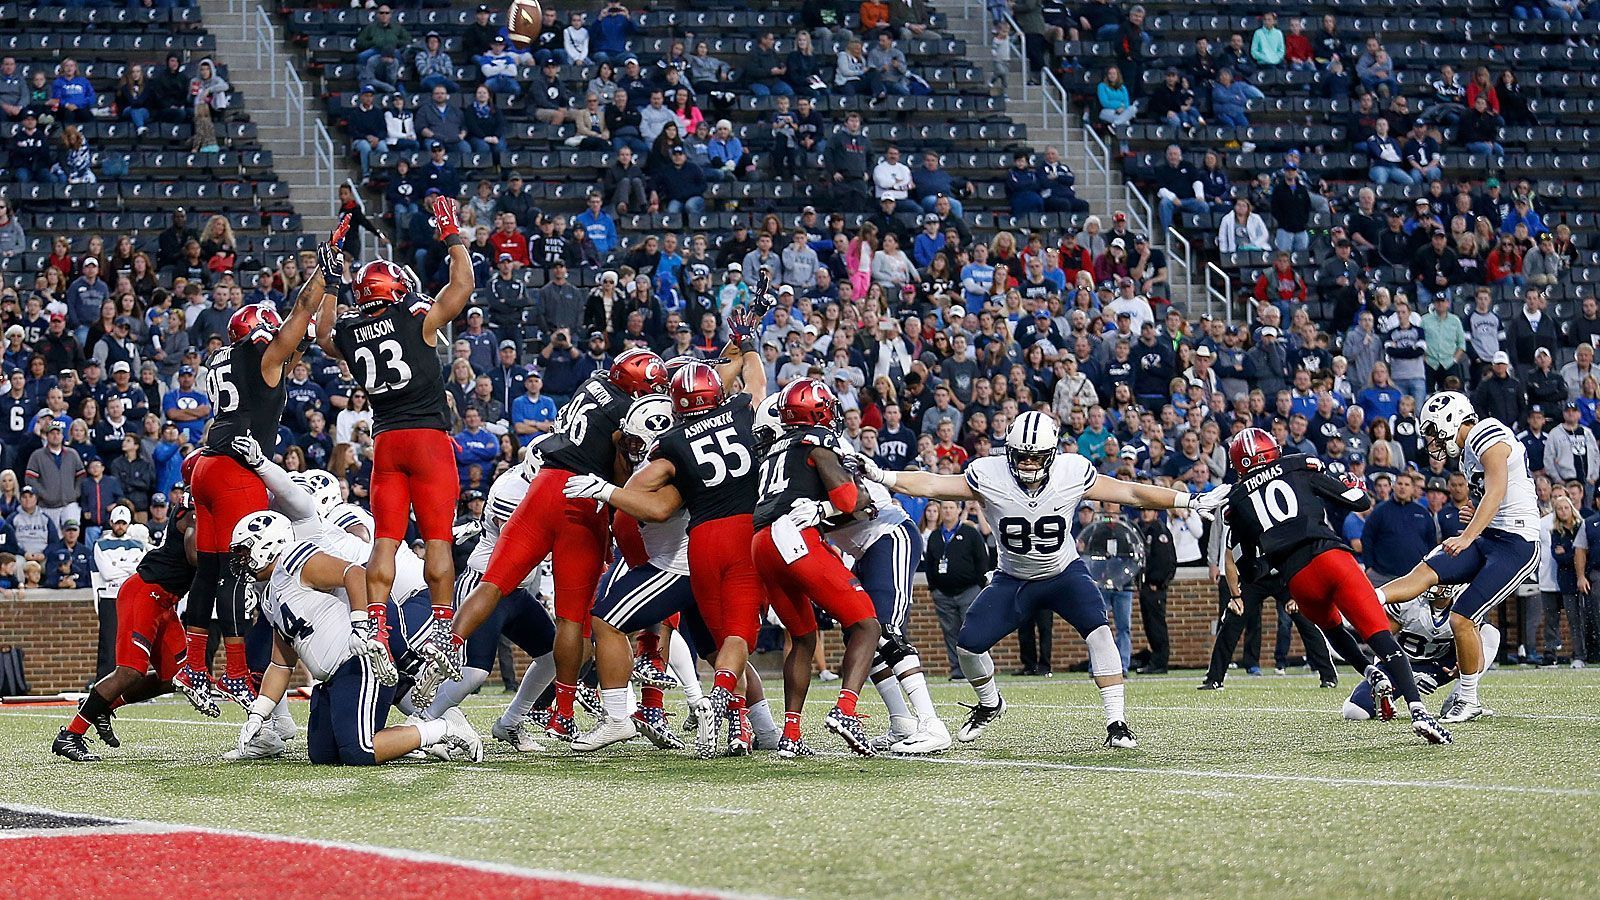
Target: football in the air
523 21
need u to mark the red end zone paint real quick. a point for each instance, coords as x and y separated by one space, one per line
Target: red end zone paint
204 863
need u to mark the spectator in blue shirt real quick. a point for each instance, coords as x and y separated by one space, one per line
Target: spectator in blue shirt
532 414
1522 214
67 561
929 242
302 395
1399 531
598 224
187 407
608 36
1382 399
71 94
475 446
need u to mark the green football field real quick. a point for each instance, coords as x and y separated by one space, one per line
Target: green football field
1258 790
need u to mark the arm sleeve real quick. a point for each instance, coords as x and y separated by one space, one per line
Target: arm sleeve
287 497
1334 490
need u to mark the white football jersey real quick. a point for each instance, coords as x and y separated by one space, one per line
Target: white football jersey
505 495
668 542
315 623
1519 512
1425 633
855 538
1033 530
335 541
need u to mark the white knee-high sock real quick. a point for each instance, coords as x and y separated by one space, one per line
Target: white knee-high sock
682 664
538 677
889 689
761 717
1112 699
916 687
979 669
451 693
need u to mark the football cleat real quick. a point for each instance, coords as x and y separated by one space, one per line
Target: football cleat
647 674
1209 685
900 728
562 728
442 647
1119 736
1459 711
284 725
849 728
265 745
741 737
931 736
589 699
240 690
73 747
979 719
1382 692
793 748
706 730
1428 729
102 727
1328 683
431 674
606 732
520 735
691 720
652 723
540 718
460 737
195 686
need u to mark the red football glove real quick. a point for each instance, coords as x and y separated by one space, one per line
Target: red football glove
339 231
445 223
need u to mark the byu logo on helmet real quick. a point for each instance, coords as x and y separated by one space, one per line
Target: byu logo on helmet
1442 418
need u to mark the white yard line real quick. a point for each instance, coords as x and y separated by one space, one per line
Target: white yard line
65 715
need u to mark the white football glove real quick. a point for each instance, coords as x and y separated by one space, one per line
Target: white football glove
364 642
256 742
806 513
588 487
1206 505
466 531
871 471
1426 684
249 451
252 727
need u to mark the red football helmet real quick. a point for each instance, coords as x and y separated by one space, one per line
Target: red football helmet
380 282
186 468
1250 449
637 372
245 322
807 401
697 388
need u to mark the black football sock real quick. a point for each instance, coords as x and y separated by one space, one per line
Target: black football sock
1344 642
1394 663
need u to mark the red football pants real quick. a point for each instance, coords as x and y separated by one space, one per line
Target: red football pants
414 471
1332 583
817 577
727 588
546 523
148 630
224 492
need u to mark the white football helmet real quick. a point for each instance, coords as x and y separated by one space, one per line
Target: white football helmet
257 542
1032 440
323 488
647 419
767 427
1442 417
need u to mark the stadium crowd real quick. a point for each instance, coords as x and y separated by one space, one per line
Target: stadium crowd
935 334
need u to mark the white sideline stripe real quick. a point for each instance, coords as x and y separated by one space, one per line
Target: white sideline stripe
599 881
1240 776
57 715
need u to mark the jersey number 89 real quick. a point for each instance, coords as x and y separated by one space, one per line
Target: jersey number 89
1045 535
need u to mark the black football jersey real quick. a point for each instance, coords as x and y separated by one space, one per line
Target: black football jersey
715 460
167 565
584 438
1281 512
241 400
788 475
399 369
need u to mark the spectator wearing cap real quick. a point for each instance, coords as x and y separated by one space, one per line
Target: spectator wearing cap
726 154
1291 211
68 566
498 66
482 341
1267 362
1571 454
30 154
1522 213
118 347
107 434
54 472
434 66
98 493
1500 394
437 174
1545 388
84 296
679 188
532 413
116 554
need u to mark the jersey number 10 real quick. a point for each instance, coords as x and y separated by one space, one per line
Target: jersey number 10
1274 504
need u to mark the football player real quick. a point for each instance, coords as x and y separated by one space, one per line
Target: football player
519 616
706 465
1422 628
1278 511
803 478
574 532
246 382
1031 495
390 343
1496 550
317 605
149 636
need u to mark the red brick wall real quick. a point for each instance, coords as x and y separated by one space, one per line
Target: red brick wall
56 631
